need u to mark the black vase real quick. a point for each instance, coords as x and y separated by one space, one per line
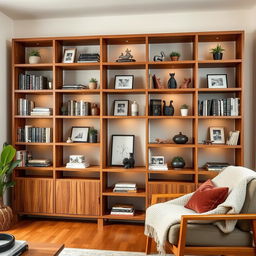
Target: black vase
180 138
172 83
178 164
168 110
93 138
217 56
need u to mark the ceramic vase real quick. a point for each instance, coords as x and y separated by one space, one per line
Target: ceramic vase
184 111
34 59
172 83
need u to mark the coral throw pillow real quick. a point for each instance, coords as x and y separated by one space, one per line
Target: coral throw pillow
207 197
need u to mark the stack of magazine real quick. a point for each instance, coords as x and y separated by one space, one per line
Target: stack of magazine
88 57
39 111
122 209
125 187
73 86
38 163
215 166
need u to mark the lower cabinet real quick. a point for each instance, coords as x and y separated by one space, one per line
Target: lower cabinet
78 197
33 195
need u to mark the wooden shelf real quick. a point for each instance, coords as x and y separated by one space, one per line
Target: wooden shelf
171 117
33 117
207 173
39 66
34 143
172 91
93 168
128 91
218 146
77 117
167 145
48 168
50 92
122 169
139 215
218 63
219 117
171 64
175 171
125 65
79 66
139 193
80 144
210 90
79 91
124 117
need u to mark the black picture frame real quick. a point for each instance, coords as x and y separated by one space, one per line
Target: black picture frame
119 111
218 83
84 138
120 156
118 77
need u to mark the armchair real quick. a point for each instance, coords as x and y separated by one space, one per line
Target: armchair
206 239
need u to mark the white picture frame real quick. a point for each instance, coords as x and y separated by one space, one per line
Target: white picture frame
217 81
121 107
217 135
157 160
124 82
69 55
79 134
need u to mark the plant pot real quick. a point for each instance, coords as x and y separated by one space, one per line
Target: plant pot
93 138
34 59
217 56
184 111
6 216
175 58
92 85
178 164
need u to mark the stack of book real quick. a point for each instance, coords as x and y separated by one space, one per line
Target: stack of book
78 108
25 107
215 107
158 167
38 163
22 155
122 209
88 57
73 86
32 82
77 162
233 138
34 134
39 111
215 166
125 187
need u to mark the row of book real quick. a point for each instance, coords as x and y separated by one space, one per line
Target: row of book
25 106
233 138
25 158
32 82
88 57
122 209
77 108
222 107
125 188
34 134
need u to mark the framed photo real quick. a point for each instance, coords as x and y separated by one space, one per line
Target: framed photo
122 146
69 55
157 160
217 81
121 107
76 159
124 82
217 135
79 134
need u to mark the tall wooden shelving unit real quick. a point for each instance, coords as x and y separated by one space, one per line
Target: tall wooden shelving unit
58 191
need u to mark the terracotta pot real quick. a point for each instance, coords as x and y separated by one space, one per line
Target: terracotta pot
92 85
6 216
34 59
175 58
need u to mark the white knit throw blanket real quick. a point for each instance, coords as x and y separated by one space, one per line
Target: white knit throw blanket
160 217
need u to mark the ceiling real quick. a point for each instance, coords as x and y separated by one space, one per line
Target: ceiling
40 9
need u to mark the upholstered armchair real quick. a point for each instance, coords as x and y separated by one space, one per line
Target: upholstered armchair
207 239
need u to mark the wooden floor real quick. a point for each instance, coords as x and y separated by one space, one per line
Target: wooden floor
77 234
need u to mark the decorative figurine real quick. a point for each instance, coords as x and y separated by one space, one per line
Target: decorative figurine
157 82
180 138
129 162
168 111
69 140
127 57
161 141
172 84
95 111
185 83
159 58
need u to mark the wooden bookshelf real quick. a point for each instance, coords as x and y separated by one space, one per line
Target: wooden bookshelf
87 193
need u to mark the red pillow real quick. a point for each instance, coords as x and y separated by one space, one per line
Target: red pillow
207 197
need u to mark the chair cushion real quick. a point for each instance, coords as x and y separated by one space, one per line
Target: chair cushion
207 197
210 235
249 205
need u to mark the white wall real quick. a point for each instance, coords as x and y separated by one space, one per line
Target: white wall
158 23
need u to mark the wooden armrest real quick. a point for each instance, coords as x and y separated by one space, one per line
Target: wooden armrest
220 217
155 197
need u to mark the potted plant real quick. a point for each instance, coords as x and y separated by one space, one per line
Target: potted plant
34 57
7 164
217 52
93 83
178 162
184 109
93 135
174 56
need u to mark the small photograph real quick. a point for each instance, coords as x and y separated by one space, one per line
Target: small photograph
69 55
217 135
217 81
157 160
79 134
121 107
124 82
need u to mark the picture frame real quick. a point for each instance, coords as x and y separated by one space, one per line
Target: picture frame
157 160
121 147
69 55
76 159
121 107
217 81
124 82
217 135
79 134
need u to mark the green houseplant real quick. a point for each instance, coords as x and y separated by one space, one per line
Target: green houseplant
7 164
93 135
178 162
184 109
217 52
34 57
174 56
93 83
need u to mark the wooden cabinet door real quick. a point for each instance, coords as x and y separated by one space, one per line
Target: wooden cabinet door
34 195
88 197
66 196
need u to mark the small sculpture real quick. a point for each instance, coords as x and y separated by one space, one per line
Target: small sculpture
127 57
159 58
69 140
161 141
129 162
172 84
185 83
168 111
157 82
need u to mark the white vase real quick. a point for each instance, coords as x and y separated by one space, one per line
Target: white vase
135 109
184 111
34 59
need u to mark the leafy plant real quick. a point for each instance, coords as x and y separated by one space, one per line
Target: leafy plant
184 106
178 159
93 131
93 80
7 164
175 54
217 49
35 53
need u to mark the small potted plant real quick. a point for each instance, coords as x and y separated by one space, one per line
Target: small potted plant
93 83
217 52
34 57
174 56
184 109
178 162
93 135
